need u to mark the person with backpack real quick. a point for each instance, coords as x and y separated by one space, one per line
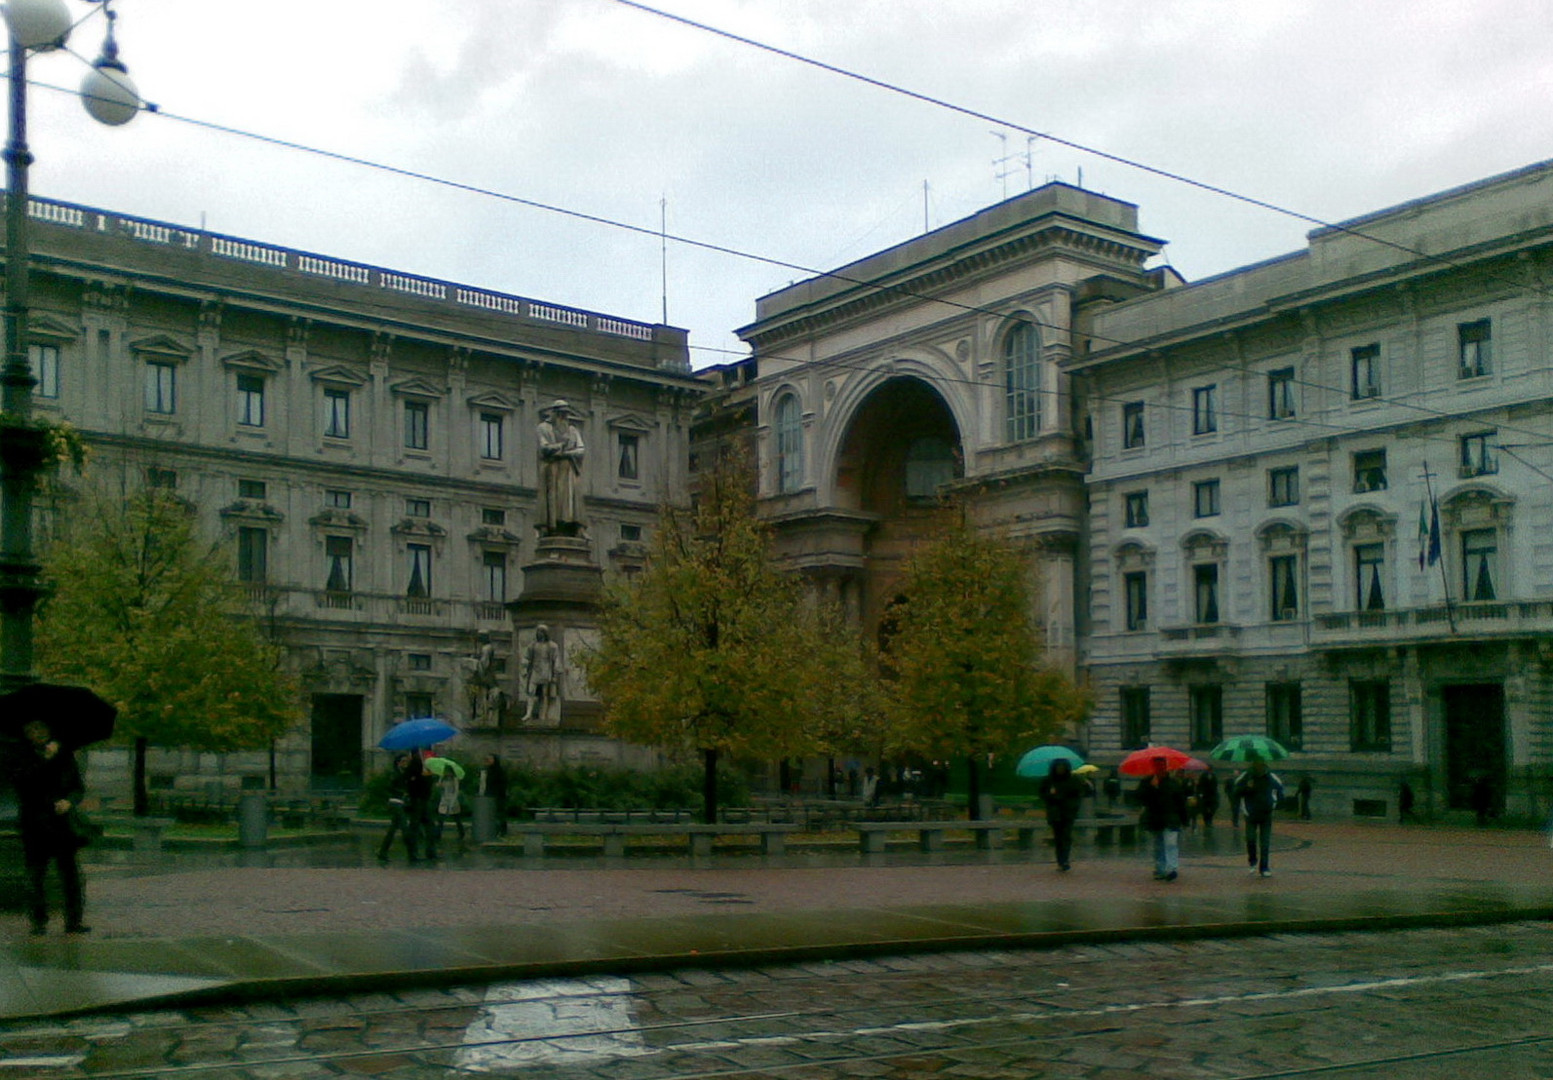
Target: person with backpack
1260 791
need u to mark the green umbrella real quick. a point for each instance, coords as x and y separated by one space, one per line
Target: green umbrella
1245 748
440 765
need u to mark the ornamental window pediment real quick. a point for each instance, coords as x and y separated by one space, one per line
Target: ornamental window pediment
1204 545
47 330
331 517
1477 507
494 402
631 425
252 360
419 389
1367 523
162 347
338 375
1133 556
494 536
252 512
1282 538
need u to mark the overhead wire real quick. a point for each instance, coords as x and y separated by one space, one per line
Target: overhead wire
724 249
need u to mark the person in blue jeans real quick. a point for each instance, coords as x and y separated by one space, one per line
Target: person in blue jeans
1163 799
1260 791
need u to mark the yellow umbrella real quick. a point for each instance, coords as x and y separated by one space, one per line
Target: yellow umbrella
1086 770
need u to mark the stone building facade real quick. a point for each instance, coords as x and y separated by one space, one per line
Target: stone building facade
1270 450
937 366
366 440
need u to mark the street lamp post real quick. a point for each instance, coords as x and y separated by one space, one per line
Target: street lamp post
110 97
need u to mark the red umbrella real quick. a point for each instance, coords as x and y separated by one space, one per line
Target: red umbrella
1141 762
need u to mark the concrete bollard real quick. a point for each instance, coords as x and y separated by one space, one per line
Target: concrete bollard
253 820
484 824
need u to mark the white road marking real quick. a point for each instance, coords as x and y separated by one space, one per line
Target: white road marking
43 1061
552 1022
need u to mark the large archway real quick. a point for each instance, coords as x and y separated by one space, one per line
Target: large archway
900 447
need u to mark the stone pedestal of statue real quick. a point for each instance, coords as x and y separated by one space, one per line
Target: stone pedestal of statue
561 591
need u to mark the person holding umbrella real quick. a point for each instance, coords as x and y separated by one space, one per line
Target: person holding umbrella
1260 791
48 791
1163 799
1062 792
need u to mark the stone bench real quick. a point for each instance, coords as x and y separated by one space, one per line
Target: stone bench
535 835
872 835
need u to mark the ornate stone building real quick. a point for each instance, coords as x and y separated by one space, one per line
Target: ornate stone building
937 365
366 439
1269 445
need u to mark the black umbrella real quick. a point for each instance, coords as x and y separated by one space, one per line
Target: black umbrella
75 715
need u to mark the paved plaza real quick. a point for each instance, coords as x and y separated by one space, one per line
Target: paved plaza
173 927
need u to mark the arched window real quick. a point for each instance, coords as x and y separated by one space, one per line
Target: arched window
789 443
1022 382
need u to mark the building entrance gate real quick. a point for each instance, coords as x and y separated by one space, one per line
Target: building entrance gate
1474 741
336 741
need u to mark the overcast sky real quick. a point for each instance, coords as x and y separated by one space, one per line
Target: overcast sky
1329 107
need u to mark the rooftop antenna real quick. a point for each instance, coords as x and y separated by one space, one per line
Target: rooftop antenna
1000 163
1030 163
663 253
925 229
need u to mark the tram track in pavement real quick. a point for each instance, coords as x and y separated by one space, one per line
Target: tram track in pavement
932 1024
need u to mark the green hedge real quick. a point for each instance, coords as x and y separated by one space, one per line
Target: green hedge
589 788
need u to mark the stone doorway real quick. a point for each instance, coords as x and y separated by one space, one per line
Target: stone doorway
1474 741
336 742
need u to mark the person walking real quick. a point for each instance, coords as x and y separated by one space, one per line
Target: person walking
398 810
1062 792
48 792
449 805
1261 791
1405 801
1163 799
493 785
1207 797
420 834
1303 792
1113 789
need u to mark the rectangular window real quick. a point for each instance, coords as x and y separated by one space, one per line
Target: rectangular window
626 465
1283 715
161 387
1369 715
1205 499
417 705
339 500
631 533
253 555
1479 564
1137 509
1284 573
1365 364
1369 564
1207 705
337 414
162 479
1280 394
44 360
491 436
494 564
1205 410
417 508
337 551
1369 470
1205 588
1136 727
1132 425
1475 342
251 489
419 584
1283 486
1477 454
1136 587
417 425
490 516
250 400
420 661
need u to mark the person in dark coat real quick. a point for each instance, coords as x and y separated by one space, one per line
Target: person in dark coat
1303 792
493 785
1163 799
1113 789
1405 800
1207 797
419 809
398 811
1260 791
48 791
1062 792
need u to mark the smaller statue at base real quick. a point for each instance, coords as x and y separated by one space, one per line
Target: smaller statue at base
542 679
481 683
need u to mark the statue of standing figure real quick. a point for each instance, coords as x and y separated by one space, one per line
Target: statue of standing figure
542 679
481 682
560 471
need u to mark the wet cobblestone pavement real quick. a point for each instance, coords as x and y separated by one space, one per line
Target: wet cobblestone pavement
1437 1003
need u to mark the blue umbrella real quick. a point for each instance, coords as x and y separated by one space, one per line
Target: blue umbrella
414 734
1038 762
